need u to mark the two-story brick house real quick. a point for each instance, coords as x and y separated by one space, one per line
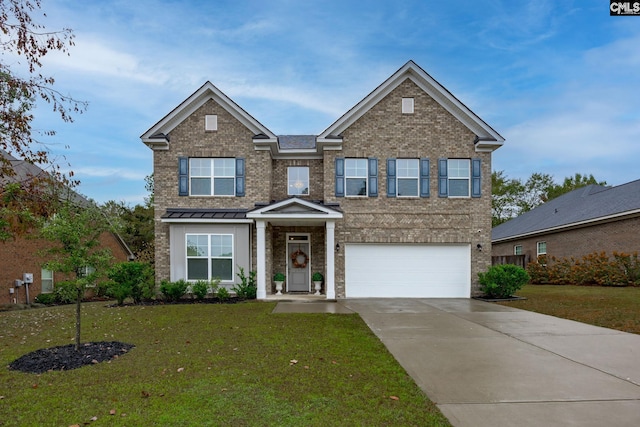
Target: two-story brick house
391 200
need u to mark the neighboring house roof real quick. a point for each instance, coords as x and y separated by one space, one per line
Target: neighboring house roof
156 137
585 206
487 138
25 171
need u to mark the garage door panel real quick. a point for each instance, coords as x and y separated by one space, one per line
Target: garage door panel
407 271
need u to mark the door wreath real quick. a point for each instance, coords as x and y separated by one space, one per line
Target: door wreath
299 259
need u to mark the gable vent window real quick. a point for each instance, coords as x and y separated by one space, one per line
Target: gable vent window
210 122
407 105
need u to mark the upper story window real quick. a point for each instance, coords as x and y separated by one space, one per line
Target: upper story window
356 177
459 178
212 177
298 181
408 178
219 176
408 174
517 250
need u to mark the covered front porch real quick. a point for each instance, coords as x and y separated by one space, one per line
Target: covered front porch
296 238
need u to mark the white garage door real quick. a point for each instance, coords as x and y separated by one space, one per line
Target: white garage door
407 271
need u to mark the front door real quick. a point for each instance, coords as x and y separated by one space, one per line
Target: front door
298 263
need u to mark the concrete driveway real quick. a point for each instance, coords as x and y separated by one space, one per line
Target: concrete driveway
489 365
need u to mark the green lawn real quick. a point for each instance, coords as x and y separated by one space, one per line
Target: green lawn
208 364
610 307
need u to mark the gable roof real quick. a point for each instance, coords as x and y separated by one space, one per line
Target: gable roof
157 136
487 138
581 207
296 211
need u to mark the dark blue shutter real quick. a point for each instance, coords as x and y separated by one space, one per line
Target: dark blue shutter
391 177
442 178
476 178
339 177
183 176
424 178
240 177
373 177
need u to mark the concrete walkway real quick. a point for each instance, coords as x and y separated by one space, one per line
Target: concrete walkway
488 365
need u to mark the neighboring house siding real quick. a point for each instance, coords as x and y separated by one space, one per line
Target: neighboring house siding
619 236
189 139
23 255
430 132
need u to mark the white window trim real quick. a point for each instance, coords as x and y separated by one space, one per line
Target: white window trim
515 249
289 181
450 178
42 280
366 178
212 177
209 257
538 248
416 178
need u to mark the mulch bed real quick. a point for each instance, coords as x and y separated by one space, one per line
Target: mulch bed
64 358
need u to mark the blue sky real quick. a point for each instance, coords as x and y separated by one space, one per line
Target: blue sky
560 80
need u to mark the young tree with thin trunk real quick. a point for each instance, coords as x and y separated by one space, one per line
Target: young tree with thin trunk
75 250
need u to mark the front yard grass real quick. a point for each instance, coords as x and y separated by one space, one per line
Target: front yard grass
610 307
209 365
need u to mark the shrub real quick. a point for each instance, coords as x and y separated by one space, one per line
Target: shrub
317 277
502 281
537 270
65 292
247 287
222 294
173 291
200 289
46 299
131 279
278 277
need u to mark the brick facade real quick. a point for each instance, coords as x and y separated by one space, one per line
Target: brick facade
431 132
23 255
618 236
382 132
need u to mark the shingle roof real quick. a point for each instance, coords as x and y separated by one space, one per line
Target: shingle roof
294 142
585 204
222 214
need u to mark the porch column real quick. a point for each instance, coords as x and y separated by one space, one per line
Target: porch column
261 262
330 282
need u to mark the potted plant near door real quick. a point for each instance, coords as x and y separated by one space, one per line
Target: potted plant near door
317 279
279 279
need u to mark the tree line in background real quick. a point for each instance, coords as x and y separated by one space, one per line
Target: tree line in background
511 197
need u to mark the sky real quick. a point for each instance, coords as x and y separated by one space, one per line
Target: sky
559 80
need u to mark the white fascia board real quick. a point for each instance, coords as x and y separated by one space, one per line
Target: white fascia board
196 100
156 144
430 86
579 224
272 210
269 216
